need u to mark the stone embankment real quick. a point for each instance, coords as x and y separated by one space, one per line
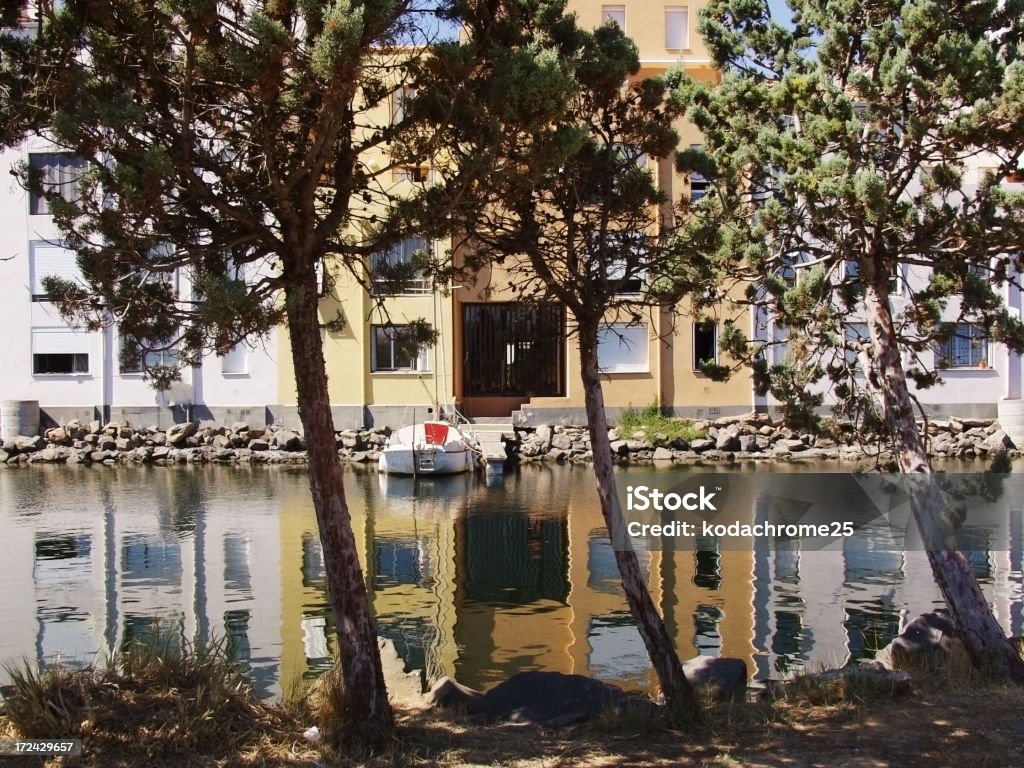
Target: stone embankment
757 436
188 443
754 436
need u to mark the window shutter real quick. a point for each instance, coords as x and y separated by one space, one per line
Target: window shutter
59 341
52 260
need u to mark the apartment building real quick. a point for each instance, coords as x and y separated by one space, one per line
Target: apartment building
496 357
75 373
493 356
980 378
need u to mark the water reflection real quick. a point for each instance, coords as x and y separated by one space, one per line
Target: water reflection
468 579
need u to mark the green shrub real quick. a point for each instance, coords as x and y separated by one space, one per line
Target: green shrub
658 428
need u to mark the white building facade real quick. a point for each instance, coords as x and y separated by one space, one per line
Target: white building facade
979 378
74 373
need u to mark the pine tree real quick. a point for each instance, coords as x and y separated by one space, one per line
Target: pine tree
570 212
227 142
842 143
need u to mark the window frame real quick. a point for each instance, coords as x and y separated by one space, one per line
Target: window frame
70 272
611 12
167 358
417 286
684 32
697 181
240 349
851 276
946 359
419 364
80 362
632 336
618 265
714 359
399 97
854 331
67 183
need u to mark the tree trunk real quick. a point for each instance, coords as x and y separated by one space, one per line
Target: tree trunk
679 694
368 717
983 637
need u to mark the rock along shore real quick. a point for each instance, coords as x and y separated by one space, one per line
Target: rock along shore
754 436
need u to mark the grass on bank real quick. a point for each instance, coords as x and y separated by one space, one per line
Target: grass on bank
160 707
157 704
658 428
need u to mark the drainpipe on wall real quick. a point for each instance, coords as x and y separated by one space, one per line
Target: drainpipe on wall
106 371
1012 389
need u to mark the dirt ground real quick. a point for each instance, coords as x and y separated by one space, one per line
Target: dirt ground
978 725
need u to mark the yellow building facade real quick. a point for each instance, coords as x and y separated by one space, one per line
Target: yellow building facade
495 357
664 351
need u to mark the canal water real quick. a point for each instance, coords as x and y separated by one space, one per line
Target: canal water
469 579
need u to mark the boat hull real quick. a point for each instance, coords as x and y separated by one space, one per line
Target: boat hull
399 460
431 448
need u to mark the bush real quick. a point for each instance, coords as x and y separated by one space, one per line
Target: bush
156 701
658 428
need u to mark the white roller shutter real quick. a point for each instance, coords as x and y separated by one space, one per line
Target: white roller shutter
49 259
59 341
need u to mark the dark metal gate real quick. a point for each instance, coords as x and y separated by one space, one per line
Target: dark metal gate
513 350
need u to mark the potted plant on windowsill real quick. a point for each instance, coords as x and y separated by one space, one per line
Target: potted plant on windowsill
983 363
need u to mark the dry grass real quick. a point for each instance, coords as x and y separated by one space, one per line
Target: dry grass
191 716
155 705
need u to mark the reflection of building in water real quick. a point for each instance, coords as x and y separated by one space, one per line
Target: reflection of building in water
87 582
820 606
512 581
471 581
406 537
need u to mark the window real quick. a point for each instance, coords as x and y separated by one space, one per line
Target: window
58 172
705 344
235 361
698 182
417 173
967 347
58 351
782 350
627 261
623 348
393 348
400 102
677 35
787 271
394 271
765 187
47 259
851 273
626 257
615 14
854 335
162 358
631 156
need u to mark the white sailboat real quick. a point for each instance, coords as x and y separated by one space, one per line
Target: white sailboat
427 448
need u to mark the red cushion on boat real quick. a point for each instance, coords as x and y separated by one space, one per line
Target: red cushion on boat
436 433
